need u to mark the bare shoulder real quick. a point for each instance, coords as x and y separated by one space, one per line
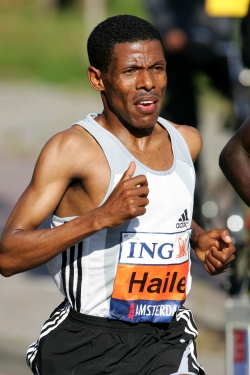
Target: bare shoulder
66 153
192 137
65 140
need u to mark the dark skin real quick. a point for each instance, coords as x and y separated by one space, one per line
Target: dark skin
71 175
235 161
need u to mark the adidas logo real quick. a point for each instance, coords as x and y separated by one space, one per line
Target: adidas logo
183 220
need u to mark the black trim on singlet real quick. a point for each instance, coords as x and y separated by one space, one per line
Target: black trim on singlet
63 270
75 271
72 275
79 278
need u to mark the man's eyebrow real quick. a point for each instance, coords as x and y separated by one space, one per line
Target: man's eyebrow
132 64
159 62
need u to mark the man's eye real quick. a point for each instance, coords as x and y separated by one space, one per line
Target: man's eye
129 71
158 68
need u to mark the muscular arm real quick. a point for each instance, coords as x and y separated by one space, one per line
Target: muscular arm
234 161
23 247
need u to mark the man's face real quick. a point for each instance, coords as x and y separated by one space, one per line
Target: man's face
135 83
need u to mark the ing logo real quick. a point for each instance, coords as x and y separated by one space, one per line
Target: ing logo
182 248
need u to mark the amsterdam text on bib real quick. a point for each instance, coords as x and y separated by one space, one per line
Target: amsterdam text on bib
151 278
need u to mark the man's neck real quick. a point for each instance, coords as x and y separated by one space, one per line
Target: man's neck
152 147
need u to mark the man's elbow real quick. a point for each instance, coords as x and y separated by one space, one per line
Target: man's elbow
5 270
6 273
6 263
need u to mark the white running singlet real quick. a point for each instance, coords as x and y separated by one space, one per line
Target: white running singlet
139 271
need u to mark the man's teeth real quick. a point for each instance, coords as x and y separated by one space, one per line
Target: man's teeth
147 102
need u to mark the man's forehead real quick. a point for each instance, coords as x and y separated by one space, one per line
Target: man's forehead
149 49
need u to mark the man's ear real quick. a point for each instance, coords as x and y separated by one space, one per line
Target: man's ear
95 78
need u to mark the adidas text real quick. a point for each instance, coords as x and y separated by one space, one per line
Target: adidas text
184 224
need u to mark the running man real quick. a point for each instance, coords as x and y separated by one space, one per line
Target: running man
119 186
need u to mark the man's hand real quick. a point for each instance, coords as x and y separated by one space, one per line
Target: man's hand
215 250
128 199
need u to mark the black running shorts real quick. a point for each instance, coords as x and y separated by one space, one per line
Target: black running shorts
79 344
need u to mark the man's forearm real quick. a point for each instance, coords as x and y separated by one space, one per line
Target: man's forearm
197 230
22 250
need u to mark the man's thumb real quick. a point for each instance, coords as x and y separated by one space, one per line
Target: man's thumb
129 172
226 236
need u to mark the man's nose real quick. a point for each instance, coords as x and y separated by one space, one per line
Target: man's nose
145 79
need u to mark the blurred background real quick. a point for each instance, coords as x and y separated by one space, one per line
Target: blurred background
44 89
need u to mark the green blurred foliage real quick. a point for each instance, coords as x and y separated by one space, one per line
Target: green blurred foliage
39 42
134 7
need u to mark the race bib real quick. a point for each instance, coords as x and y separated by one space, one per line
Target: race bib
151 277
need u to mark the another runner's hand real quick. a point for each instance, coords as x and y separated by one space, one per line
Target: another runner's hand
128 199
215 250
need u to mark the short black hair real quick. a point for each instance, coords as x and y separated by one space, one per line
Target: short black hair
114 30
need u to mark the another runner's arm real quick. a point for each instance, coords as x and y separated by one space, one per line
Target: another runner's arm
23 247
234 161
